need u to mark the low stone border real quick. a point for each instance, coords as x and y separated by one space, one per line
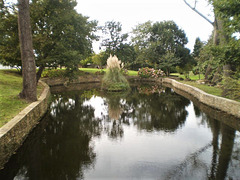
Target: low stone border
84 79
13 134
223 104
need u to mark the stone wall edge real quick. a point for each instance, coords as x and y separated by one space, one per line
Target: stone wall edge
13 133
226 105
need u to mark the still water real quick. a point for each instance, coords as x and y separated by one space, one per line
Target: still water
149 132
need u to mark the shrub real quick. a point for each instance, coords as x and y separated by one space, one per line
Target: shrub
231 88
114 80
100 72
150 73
51 73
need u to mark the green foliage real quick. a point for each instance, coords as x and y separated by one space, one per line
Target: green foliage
161 45
101 72
52 73
61 36
9 40
185 70
115 43
86 61
229 11
145 72
98 59
168 61
114 80
114 38
231 88
124 71
197 47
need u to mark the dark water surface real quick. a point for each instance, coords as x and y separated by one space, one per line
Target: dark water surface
148 133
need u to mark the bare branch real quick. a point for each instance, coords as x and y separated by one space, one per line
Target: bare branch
199 13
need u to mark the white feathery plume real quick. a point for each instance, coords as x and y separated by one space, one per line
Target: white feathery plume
113 62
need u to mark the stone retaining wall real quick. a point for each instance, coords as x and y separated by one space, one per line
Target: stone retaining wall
65 81
13 134
83 80
223 104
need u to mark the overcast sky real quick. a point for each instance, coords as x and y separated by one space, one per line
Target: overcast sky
132 12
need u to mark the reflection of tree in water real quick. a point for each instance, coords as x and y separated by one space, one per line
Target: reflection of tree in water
165 111
225 155
63 149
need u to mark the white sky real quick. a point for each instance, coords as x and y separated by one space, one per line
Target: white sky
132 12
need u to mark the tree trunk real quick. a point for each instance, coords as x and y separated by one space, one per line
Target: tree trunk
29 91
39 73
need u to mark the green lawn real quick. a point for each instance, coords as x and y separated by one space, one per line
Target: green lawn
191 76
208 89
94 70
91 70
10 103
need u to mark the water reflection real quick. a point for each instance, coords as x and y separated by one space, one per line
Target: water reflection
149 132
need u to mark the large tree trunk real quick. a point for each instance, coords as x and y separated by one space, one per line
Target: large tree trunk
29 91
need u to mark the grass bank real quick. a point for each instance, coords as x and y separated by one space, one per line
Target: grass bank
208 89
191 76
10 103
217 91
94 70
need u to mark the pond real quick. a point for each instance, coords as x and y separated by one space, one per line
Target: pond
150 132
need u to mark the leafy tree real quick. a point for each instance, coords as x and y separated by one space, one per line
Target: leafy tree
197 47
115 43
9 40
163 45
155 43
140 39
168 61
226 25
61 36
127 55
113 38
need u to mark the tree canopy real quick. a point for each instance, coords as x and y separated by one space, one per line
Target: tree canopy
156 43
61 36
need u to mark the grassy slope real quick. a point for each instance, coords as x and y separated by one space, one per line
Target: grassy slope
10 103
208 89
191 76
